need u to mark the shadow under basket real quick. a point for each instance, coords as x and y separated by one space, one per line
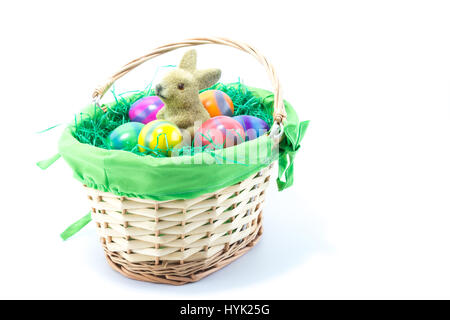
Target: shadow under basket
180 241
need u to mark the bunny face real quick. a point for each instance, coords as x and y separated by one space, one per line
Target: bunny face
177 88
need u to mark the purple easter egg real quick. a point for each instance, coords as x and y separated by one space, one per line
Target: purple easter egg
254 127
145 109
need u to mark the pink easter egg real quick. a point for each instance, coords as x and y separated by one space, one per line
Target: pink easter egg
220 131
145 109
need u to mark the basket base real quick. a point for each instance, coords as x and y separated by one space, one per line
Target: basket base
179 274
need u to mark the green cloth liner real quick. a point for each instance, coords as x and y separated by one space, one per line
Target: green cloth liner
75 227
286 160
44 164
127 174
185 177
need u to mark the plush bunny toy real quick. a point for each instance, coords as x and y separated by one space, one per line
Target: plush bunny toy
179 92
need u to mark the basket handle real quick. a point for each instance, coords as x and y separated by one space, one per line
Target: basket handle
279 113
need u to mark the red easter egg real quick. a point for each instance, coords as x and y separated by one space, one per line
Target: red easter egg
221 131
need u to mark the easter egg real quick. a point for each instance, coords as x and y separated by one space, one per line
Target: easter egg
145 109
159 135
217 103
125 136
219 131
253 126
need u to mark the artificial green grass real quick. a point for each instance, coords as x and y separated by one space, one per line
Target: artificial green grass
94 130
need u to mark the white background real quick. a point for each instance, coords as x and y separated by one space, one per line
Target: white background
368 216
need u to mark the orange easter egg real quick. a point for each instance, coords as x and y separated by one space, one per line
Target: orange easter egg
217 103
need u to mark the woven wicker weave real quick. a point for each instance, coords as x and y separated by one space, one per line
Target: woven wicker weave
181 241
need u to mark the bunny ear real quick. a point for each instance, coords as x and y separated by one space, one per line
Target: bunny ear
189 61
206 78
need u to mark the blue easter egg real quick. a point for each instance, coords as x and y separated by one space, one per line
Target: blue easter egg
125 136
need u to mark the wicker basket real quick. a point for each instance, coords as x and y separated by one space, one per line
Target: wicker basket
181 241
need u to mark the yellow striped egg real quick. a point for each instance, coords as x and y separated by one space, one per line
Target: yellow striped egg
159 135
